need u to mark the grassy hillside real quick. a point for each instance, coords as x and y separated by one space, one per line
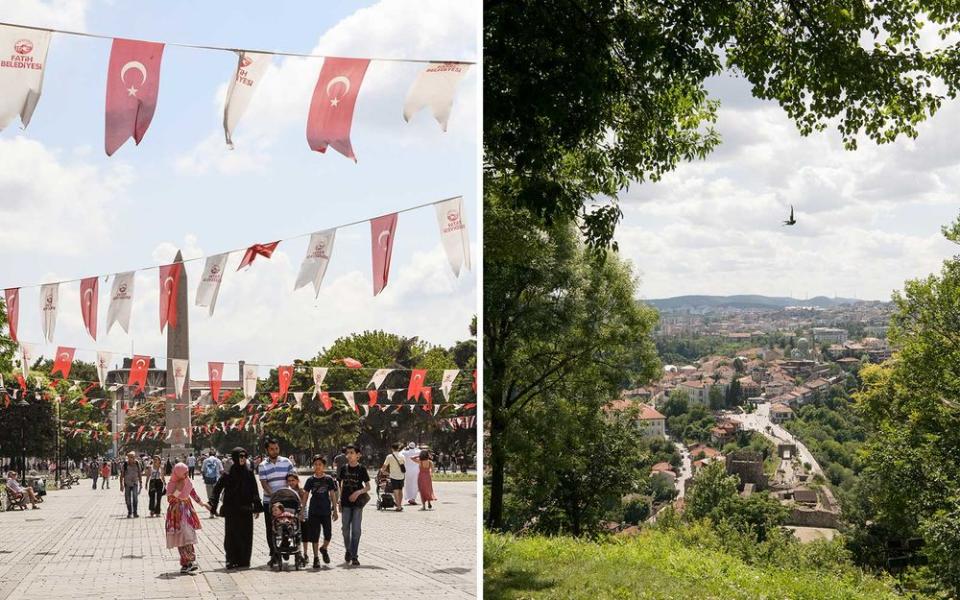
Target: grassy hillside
653 565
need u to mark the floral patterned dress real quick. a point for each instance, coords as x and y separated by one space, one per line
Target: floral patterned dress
182 521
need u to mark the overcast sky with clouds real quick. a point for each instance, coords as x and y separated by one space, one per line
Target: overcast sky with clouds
867 220
69 211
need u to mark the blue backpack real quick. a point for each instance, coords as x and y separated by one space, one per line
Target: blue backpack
210 471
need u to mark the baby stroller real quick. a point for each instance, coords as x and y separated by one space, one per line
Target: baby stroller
384 495
287 535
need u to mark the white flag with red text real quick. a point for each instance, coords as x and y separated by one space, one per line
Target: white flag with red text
210 281
103 365
314 264
23 59
121 301
49 298
435 87
179 374
251 66
453 233
447 382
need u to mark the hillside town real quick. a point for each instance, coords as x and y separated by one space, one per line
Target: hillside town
731 407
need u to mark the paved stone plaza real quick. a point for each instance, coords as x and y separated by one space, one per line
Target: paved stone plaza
81 545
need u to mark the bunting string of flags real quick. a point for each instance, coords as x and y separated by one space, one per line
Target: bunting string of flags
133 86
155 432
453 235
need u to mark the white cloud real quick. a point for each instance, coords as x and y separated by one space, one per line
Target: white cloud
63 14
53 205
867 220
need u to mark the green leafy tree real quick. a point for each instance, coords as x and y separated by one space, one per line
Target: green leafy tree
911 408
581 98
561 327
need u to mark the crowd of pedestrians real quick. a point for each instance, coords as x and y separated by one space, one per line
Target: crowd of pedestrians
239 487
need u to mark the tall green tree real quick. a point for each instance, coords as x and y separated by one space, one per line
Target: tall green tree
582 98
561 325
911 409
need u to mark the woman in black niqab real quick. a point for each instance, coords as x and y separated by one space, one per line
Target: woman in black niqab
241 502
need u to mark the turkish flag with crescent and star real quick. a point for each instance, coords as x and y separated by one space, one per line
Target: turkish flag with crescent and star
133 82
285 375
89 292
416 383
381 242
331 109
169 282
215 371
63 361
138 372
12 298
264 250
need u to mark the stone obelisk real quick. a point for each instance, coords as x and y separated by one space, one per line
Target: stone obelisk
178 346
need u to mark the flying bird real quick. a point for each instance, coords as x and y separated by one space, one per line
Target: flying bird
791 220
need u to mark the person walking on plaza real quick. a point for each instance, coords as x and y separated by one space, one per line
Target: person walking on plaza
156 482
131 482
105 475
354 494
425 480
93 470
192 464
412 472
211 469
241 504
168 468
182 523
339 460
273 473
323 507
394 467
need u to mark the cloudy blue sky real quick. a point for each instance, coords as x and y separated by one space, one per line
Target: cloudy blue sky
69 211
867 220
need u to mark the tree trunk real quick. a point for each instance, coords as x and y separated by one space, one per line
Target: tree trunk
497 464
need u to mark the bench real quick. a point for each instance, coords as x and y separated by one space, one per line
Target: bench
13 502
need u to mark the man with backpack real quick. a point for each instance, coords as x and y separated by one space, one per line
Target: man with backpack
131 481
211 469
393 465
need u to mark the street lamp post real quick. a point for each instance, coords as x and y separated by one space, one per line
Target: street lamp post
57 477
23 404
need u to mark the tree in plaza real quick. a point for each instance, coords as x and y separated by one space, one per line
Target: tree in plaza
312 429
562 329
581 98
149 413
911 408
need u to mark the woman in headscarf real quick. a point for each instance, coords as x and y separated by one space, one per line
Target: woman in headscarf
241 503
182 521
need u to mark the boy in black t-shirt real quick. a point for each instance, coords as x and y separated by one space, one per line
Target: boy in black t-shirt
354 482
323 503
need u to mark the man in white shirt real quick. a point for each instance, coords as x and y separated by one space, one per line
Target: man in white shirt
413 471
192 465
18 491
394 466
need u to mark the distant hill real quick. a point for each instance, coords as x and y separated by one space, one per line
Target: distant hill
744 301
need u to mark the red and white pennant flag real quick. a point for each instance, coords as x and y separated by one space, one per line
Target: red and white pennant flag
331 109
133 82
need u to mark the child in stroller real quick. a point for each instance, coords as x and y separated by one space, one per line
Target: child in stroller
286 510
385 497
